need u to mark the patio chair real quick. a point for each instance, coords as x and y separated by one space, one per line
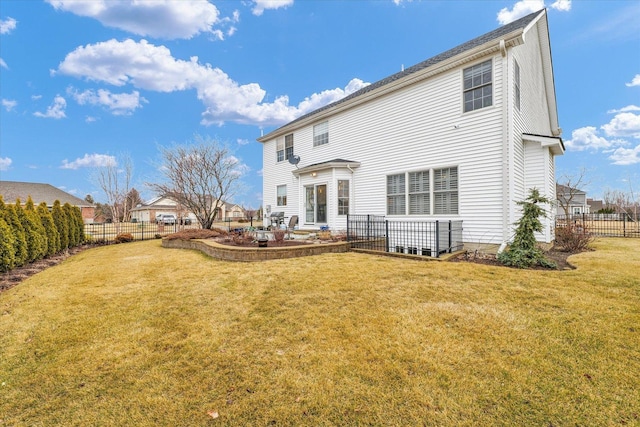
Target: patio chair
293 221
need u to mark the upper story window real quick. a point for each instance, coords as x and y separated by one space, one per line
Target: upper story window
516 82
284 148
321 134
478 87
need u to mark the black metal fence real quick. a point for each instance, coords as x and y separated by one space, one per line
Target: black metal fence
427 238
603 225
106 232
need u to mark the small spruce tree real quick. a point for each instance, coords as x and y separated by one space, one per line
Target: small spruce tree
524 251
7 247
53 237
62 224
10 216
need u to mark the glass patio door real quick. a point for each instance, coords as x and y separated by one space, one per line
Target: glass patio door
315 204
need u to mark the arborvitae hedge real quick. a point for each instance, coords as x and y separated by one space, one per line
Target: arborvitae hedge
53 237
62 224
28 234
20 243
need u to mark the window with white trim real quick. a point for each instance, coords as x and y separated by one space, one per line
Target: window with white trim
321 134
424 188
281 195
445 191
419 192
284 148
396 198
343 197
478 87
516 81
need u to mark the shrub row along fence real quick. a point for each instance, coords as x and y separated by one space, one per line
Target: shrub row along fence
602 225
426 238
106 232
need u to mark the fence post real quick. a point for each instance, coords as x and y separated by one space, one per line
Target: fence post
142 230
348 228
437 239
386 235
449 248
368 227
624 225
104 232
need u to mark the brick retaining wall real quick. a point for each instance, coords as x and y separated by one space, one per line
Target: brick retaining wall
233 253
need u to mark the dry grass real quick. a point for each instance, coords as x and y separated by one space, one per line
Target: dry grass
139 335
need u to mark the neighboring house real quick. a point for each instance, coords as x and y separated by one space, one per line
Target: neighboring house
463 135
13 190
571 200
166 206
595 206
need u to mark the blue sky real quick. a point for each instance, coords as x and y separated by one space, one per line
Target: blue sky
84 83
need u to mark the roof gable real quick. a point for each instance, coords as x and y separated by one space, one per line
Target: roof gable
518 26
13 190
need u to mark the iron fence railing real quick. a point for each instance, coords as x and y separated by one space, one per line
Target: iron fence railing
106 232
427 238
603 225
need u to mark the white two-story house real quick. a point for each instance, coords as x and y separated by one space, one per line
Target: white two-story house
463 135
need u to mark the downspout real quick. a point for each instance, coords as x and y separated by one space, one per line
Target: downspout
506 151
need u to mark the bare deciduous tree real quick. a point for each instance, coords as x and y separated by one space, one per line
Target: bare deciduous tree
114 179
199 177
568 187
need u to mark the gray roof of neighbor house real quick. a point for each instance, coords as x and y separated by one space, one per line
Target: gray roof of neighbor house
13 190
519 24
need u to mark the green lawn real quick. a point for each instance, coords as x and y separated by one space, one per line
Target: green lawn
139 335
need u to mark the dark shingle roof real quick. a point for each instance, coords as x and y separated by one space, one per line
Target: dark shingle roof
13 190
478 41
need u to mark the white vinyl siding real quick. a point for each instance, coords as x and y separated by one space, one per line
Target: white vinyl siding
478 86
321 134
516 83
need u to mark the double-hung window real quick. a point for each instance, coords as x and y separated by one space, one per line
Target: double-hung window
281 195
478 87
343 197
445 191
321 134
419 200
426 192
396 198
284 148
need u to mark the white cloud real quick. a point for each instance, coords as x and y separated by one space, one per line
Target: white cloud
7 25
55 110
3 64
626 156
635 81
623 125
587 138
151 67
625 109
5 162
120 104
90 161
520 9
562 5
262 5
241 141
36 97
159 18
90 119
9 104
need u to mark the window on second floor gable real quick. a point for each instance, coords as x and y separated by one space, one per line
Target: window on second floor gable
478 86
284 148
321 134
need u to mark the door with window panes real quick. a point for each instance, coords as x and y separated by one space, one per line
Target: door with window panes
315 204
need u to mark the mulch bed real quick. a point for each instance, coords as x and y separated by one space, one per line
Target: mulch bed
554 254
11 278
